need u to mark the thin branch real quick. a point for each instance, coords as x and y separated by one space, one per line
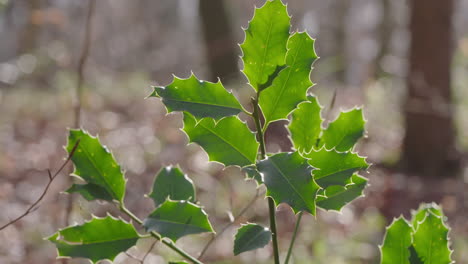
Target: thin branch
293 239
148 252
242 212
52 177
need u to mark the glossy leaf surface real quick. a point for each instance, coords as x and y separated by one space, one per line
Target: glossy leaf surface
306 125
264 48
172 183
98 239
343 133
228 141
333 167
398 239
290 86
175 219
288 179
335 196
200 98
96 165
90 192
251 237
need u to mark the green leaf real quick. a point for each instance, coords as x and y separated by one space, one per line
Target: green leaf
306 125
252 173
172 183
90 192
250 237
175 219
98 239
414 258
179 262
333 167
264 48
335 197
421 213
96 165
430 240
200 98
290 87
343 133
228 141
288 179
396 243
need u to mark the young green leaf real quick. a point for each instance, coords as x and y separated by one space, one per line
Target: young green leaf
430 240
172 183
414 258
200 98
396 243
175 219
228 141
288 179
336 197
264 48
306 125
96 165
420 214
290 87
251 237
343 133
98 239
333 167
90 192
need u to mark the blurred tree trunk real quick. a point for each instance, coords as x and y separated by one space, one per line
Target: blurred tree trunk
221 50
429 144
29 34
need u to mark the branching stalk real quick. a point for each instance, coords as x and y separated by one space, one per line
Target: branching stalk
271 202
293 239
158 237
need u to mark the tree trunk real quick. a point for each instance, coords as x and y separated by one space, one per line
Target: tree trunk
220 48
429 144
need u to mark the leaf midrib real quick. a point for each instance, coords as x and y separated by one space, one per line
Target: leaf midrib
202 103
246 245
178 223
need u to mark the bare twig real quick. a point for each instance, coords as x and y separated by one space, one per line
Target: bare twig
242 212
33 206
142 260
79 86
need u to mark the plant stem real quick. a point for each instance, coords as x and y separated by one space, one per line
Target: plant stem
293 239
271 202
170 244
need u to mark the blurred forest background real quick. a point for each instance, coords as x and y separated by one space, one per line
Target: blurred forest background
406 61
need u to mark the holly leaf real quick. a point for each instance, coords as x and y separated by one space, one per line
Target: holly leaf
430 240
96 165
98 239
290 87
398 239
251 237
252 173
264 47
336 197
288 179
420 214
228 141
414 258
175 219
333 167
90 192
343 133
306 125
200 98
172 183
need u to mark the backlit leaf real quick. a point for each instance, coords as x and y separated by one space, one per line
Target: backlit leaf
264 48
98 239
333 167
396 243
228 141
175 219
90 192
251 237
288 179
200 98
96 165
290 87
172 183
335 197
343 133
306 125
